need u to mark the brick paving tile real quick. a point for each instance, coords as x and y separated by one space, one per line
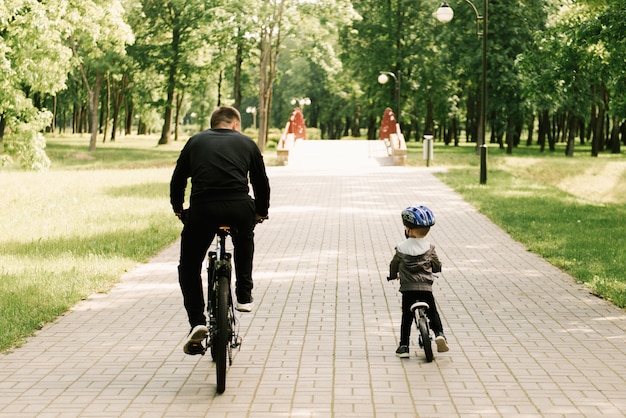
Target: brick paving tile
525 339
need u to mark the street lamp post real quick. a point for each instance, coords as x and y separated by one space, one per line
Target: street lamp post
445 14
383 78
252 109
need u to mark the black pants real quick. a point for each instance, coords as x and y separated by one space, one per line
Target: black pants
198 234
408 299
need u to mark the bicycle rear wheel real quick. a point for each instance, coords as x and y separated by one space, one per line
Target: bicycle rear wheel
422 324
224 332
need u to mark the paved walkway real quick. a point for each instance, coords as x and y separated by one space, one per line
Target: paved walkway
525 339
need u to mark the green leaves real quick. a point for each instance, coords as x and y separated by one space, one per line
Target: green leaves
33 60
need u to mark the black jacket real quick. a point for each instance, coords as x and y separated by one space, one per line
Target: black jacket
220 163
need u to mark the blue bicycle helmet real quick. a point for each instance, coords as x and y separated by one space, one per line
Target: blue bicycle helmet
417 216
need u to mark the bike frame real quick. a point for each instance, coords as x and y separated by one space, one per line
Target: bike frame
423 327
223 334
224 266
219 266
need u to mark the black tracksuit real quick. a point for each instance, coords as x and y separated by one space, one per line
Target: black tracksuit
220 163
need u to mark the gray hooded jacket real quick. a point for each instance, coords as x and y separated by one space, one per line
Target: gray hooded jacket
416 261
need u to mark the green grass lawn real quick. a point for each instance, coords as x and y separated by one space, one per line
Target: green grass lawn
75 229
571 211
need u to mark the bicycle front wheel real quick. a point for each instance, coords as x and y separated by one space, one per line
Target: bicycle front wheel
224 332
422 324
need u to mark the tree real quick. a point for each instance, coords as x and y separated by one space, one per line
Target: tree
604 35
98 38
404 38
310 67
565 78
34 62
271 36
173 39
280 20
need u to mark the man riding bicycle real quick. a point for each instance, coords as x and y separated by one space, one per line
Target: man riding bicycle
219 162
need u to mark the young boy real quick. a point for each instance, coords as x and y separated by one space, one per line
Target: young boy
415 262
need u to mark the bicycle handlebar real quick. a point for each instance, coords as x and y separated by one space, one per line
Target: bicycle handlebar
183 216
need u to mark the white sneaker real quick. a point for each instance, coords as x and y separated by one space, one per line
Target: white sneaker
193 342
244 307
442 344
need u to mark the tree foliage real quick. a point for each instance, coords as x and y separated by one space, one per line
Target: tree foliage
34 61
555 69
98 35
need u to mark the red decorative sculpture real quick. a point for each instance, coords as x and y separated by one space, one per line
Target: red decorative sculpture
388 125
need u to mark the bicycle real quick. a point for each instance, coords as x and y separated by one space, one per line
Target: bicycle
223 336
423 326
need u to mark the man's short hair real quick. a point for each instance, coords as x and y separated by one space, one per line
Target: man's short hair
224 114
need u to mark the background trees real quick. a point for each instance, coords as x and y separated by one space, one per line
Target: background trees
555 71
97 36
34 61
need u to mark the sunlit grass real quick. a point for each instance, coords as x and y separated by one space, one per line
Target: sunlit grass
550 204
69 232
129 152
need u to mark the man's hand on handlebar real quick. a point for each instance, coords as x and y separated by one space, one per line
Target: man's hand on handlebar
259 218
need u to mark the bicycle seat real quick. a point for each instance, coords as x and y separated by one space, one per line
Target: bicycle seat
418 305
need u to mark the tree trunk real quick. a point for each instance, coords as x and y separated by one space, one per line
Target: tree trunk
179 104
471 123
454 130
220 79
3 124
54 116
237 81
371 127
94 99
270 50
130 115
596 129
107 110
550 132
355 129
346 127
615 142
517 132
581 130
75 119
531 129
166 132
118 98
571 136
264 90
510 137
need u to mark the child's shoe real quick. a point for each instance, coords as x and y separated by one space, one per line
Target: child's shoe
403 351
442 343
